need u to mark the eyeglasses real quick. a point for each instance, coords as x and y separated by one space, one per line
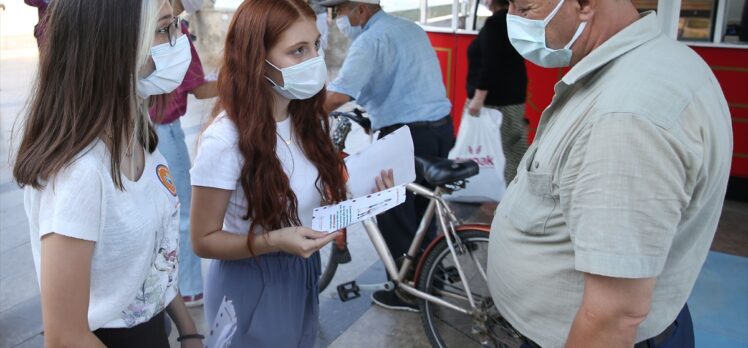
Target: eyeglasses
172 30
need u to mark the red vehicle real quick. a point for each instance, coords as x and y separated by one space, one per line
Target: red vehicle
708 26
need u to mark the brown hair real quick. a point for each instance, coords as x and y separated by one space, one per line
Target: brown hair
85 88
247 98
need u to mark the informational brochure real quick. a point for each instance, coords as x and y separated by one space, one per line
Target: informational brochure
224 326
334 217
395 151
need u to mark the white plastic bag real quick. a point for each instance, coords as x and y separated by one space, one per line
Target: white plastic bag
479 139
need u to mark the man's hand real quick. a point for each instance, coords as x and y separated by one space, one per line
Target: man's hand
335 100
477 102
611 311
474 107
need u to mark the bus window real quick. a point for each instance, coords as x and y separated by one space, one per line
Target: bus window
736 21
439 13
697 18
408 9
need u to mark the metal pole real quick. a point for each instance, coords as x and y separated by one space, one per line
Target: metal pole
455 14
720 21
424 11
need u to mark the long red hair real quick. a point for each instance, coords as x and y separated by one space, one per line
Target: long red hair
247 98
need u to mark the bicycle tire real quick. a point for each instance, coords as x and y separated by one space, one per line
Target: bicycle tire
431 263
329 266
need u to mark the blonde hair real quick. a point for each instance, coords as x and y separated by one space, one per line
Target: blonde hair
149 15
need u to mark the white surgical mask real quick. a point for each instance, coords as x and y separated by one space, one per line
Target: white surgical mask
528 38
303 80
171 63
344 24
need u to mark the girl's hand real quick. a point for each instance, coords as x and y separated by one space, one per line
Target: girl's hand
192 343
300 241
385 180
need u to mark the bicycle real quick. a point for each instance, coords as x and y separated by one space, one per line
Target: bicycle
449 279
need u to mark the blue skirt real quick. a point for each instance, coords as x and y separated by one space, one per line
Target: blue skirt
275 297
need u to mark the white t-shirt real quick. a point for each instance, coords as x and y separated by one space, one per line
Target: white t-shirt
134 263
219 163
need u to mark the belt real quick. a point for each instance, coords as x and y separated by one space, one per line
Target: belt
657 340
420 124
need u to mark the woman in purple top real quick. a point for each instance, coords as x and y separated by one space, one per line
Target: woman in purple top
172 145
41 5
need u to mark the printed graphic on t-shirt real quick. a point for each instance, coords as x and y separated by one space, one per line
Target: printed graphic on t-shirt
162 275
165 177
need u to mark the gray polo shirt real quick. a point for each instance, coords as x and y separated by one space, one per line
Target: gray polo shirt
626 179
315 4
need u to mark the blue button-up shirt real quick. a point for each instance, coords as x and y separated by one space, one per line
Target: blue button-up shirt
393 72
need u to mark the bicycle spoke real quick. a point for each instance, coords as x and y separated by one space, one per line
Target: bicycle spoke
461 294
452 328
478 265
467 335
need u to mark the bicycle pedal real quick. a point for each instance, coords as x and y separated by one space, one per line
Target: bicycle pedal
349 291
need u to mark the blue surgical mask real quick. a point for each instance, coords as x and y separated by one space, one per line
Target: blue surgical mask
303 80
344 24
171 63
528 38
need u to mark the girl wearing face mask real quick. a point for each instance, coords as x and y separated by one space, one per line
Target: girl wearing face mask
101 204
263 164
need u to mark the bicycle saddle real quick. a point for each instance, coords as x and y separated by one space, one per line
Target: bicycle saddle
441 171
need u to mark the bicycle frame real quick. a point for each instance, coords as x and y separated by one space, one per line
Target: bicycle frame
447 221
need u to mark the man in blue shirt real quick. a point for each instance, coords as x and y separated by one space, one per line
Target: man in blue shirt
393 72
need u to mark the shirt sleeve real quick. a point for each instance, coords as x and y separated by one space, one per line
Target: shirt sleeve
72 203
218 162
192 6
36 3
490 42
358 67
195 76
626 193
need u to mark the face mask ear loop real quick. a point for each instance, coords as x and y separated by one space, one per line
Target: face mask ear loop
576 35
276 68
553 13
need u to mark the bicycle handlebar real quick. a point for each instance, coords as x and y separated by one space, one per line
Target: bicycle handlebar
356 116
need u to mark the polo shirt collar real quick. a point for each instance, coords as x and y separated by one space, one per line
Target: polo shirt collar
376 17
636 34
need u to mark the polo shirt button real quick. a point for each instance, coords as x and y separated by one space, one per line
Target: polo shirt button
537 165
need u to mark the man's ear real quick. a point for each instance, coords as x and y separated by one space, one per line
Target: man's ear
587 9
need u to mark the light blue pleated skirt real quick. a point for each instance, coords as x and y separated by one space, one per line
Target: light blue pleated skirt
275 297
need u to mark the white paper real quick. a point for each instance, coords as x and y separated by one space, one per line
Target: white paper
223 328
334 217
227 4
395 151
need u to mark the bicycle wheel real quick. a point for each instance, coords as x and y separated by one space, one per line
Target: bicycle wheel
331 256
446 327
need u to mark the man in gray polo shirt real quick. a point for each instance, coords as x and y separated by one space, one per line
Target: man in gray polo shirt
600 238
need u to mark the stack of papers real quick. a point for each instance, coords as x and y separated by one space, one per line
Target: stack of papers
224 326
395 152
